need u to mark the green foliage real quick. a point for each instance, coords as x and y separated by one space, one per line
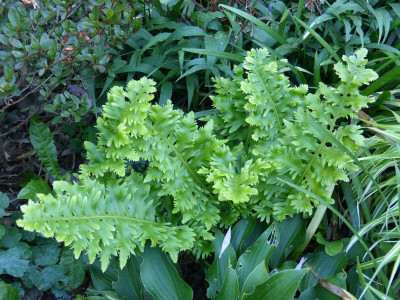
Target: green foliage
42 141
38 263
8 291
240 273
288 128
150 273
35 261
161 279
377 220
161 50
60 42
194 180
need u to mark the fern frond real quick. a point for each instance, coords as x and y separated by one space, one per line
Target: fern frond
105 219
267 133
42 141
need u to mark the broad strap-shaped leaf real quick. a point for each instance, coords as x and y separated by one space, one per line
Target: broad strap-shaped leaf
161 279
282 285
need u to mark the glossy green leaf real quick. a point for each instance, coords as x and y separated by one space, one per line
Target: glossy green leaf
257 276
241 231
325 266
292 232
319 292
8 292
161 279
230 287
129 284
331 248
217 273
256 253
282 286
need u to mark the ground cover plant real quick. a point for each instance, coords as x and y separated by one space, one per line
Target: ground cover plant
114 210
253 185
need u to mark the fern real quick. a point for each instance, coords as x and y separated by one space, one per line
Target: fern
287 127
42 141
201 178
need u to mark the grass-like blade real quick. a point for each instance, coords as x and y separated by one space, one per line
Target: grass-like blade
319 39
257 22
393 74
219 54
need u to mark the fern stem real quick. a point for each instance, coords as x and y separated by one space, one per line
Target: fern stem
269 98
312 227
184 162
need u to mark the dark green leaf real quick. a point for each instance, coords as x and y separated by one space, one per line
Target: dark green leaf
129 284
220 54
257 276
282 286
166 93
34 187
319 292
292 232
14 17
331 248
46 255
8 292
75 269
51 275
42 140
16 43
12 264
319 39
11 239
216 274
44 41
161 279
230 287
255 254
325 266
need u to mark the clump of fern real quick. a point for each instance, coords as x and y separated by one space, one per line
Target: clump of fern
199 178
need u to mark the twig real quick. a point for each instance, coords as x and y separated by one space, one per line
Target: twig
27 94
198 5
237 35
62 59
66 17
